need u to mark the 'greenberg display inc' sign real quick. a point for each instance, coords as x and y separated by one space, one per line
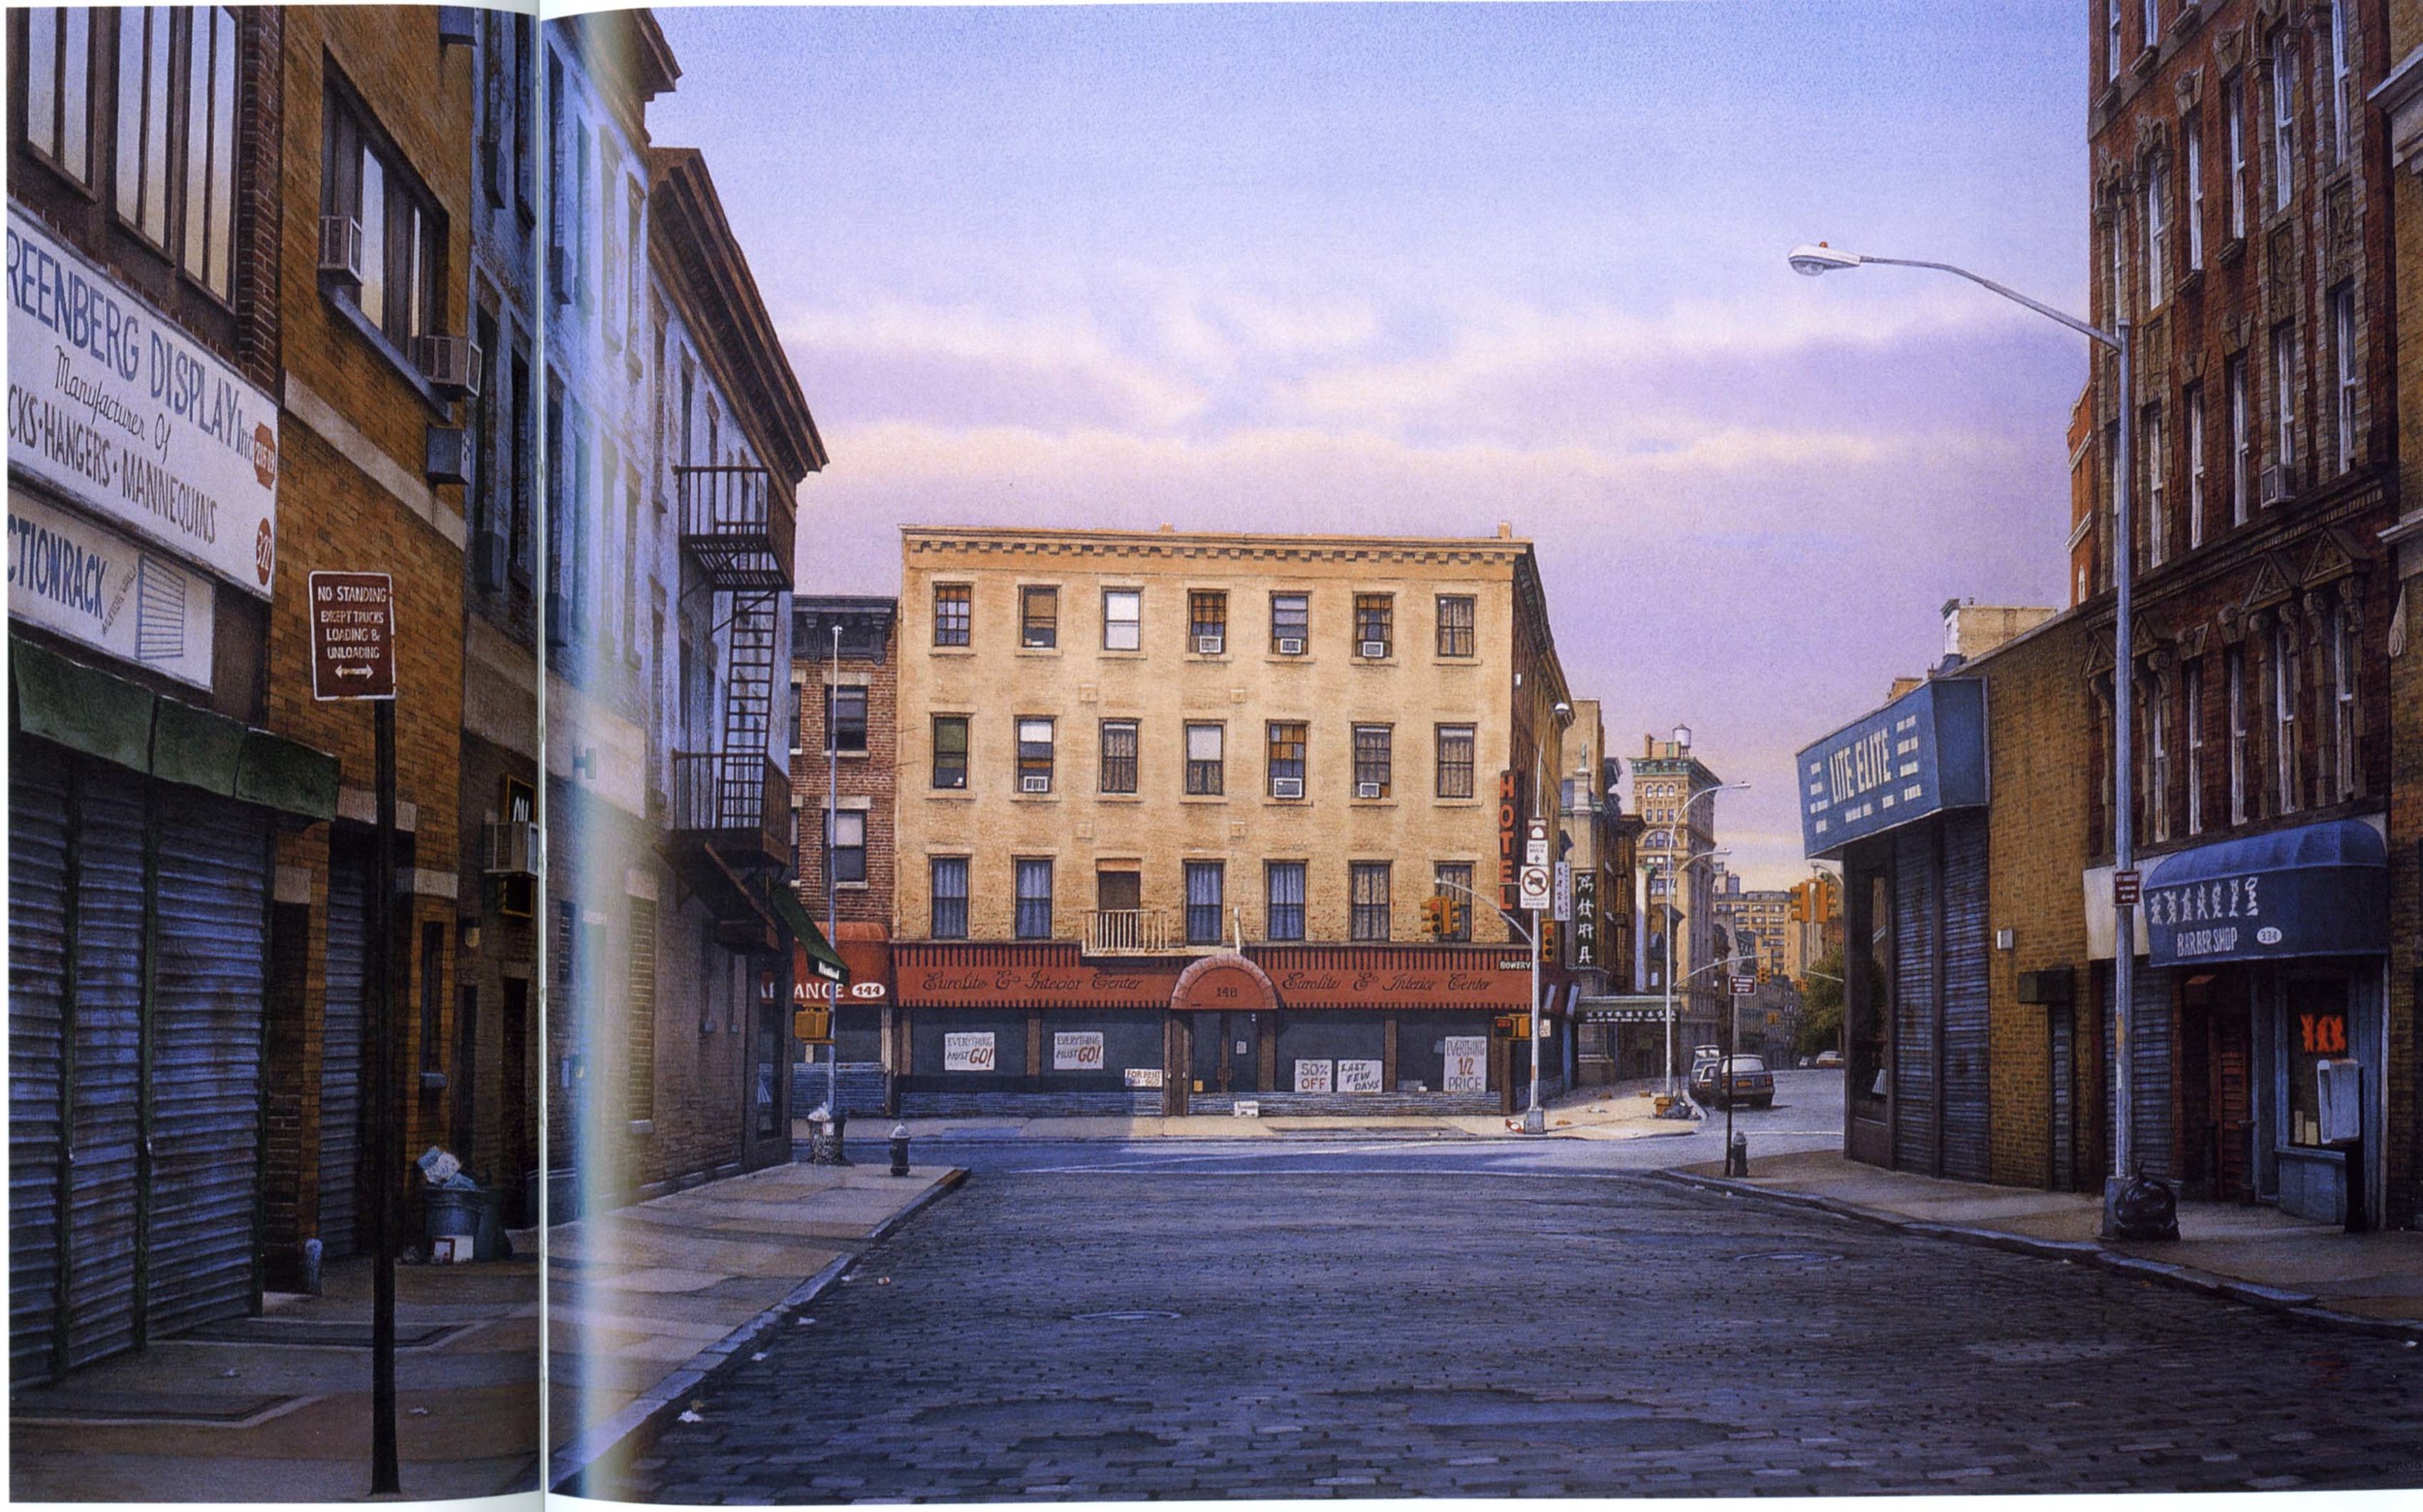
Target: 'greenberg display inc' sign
113 405
1919 755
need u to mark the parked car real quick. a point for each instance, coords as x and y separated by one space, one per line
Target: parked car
1744 1077
1704 1056
1829 1060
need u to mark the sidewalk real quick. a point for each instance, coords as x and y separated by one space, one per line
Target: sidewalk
277 1408
2367 1283
645 1302
1625 1111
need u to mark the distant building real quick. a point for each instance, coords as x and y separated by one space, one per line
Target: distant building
1671 786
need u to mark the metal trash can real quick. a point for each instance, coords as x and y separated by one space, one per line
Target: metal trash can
451 1211
488 1241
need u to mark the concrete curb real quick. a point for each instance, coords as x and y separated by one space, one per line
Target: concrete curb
2301 1306
643 1417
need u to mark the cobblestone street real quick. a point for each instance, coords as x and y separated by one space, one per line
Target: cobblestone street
1153 1333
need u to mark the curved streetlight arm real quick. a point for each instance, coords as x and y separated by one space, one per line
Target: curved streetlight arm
2091 333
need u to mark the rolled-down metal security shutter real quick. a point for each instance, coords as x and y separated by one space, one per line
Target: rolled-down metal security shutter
207 985
37 1041
1915 1084
1968 1152
340 1063
107 1079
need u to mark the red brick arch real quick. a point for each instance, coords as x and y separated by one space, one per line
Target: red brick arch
1226 981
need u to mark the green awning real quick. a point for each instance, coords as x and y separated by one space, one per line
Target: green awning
822 957
88 710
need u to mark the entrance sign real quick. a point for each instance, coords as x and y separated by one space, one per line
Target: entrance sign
1077 1052
1358 1076
353 635
967 1051
100 590
115 406
1467 1064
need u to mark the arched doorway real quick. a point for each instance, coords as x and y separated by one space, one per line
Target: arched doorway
1222 1014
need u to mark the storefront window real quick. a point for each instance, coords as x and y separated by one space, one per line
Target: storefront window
2317 1031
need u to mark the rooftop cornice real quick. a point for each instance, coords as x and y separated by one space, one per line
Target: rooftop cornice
1207 545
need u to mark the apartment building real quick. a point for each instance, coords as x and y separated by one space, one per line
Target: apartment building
1173 806
1673 789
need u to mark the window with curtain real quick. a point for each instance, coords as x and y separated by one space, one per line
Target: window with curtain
949 898
1035 899
1205 881
1375 620
1367 900
1034 755
1118 756
1373 763
1286 758
1283 888
1455 760
1207 622
1038 619
1453 880
1291 616
1206 761
1456 618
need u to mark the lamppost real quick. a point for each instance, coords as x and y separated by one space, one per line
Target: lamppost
1534 1117
832 843
1823 258
1534 1120
1683 826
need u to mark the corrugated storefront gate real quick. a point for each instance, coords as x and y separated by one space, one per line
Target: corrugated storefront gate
1940 1080
341 1053
137 932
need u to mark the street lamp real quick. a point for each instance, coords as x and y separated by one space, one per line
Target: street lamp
1683 826
1534 1117
1823 258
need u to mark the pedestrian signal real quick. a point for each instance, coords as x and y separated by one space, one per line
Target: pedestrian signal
813 1025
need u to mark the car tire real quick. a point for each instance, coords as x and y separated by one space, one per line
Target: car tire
1764 1103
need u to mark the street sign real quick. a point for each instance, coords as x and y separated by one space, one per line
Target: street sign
1531 886
353 635
1744 986
2126 888
1564 891
1535 843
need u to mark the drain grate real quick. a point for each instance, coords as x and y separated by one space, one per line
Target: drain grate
1125 1316
1793 1256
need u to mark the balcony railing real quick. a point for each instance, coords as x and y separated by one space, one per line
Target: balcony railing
737 803
734 527
1131 932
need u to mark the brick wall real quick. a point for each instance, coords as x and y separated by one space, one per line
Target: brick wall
872 776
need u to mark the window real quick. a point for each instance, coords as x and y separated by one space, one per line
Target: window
954 614
1455 760
2158 543
1368 892
58 89
1204 880
2284 401
1122 619
2345 772
2241 443
1290 617
1454 625
845 846
1034 755
1206 776
2234 127
950 752
2192 679
1118 756
2151 21
1453 880
1286 759
175 178
845 720
2158 231
2285 711
2118 265
402 236
635 292
2157 759
2234 680
1373 760
1038 619
2111 40
2344 364
1282 884
2191 138
2316 1024
2339 82
2195 465
799 718
2284 121
1207 622
1035 899
949 906
1374 614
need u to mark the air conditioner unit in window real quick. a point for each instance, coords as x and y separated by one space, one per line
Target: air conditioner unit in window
1208 644
512 848
1287 787
1034 784
2273 487
559 274
489 559
447 457
340 249
1375 651
1291 645
1366 790
450 364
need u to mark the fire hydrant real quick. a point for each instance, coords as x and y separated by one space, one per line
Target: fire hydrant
899 1150
1738 1155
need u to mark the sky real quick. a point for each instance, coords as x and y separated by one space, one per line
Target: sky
1422 269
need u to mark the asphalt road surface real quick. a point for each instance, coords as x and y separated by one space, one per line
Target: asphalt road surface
1399 1317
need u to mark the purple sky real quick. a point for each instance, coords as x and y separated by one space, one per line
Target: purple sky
1424 269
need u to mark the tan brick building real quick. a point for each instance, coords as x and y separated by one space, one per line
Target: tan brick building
1172 805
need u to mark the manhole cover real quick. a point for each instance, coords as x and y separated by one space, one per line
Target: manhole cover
1129 1316
1793 1256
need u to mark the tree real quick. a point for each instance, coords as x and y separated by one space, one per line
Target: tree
1821 1004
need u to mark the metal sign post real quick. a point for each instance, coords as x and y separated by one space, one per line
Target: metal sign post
353 657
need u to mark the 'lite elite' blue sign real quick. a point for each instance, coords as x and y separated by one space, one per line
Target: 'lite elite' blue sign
1919 755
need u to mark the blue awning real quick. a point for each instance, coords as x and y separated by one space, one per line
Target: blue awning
2315 890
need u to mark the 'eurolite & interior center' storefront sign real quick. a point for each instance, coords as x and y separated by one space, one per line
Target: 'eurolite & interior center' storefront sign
1919 755
115 406
99 588
2315 890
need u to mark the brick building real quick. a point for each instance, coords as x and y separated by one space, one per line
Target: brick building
2243 232
1173 804
1671 788
845 776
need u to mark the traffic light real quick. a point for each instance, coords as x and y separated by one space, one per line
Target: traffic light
1800 902
1441 914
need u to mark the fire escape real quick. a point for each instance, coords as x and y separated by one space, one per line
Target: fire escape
730 808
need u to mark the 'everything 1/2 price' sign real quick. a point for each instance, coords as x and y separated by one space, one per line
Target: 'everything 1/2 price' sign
353 635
